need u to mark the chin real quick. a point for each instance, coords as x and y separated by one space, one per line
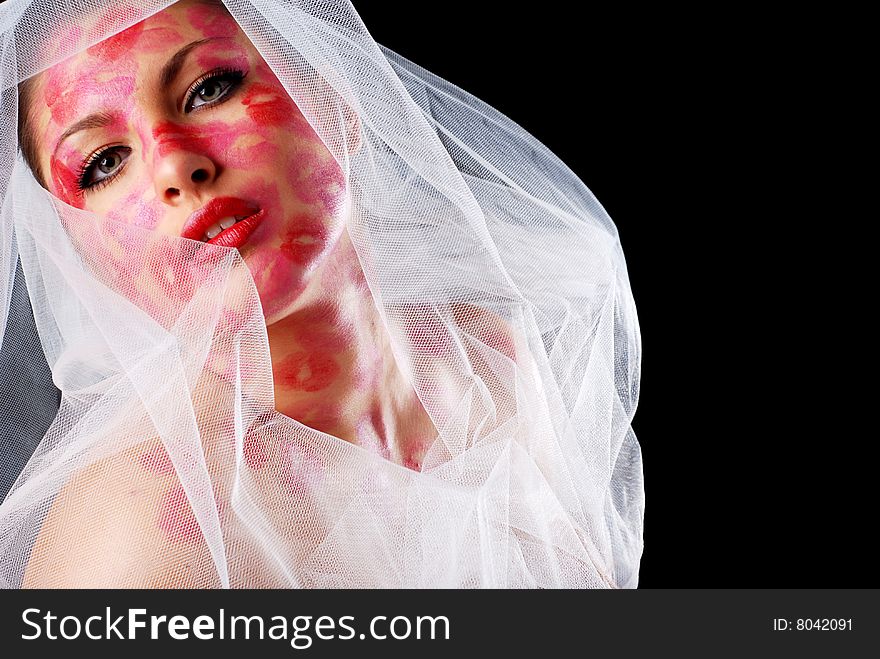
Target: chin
277 300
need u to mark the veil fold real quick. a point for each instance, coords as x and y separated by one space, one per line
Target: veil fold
502 291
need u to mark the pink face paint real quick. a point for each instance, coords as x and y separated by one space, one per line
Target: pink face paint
270 99
58 94
116 90
176 517
65 182
211 21
157 39
216 140
156 461
324 184
172 137
307 370
228 57
134 210
112 20
118 45
305 239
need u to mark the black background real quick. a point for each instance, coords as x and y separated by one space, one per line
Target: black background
685 127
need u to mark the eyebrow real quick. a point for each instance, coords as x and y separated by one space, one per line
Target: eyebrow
172 67
166 76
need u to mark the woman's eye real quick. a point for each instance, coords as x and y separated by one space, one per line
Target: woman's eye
103 166
212 89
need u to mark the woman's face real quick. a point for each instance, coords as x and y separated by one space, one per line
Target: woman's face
179 126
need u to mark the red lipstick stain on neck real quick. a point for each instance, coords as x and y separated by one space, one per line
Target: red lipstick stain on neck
427 332
321 416
414 451
268 105
319 327
307 370
502 342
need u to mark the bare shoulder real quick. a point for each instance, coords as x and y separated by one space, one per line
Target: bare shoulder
122 522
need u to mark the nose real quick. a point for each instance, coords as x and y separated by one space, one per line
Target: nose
181 174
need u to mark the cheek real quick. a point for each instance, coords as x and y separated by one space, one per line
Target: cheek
135 210
269 105
65 183
305 239
322 183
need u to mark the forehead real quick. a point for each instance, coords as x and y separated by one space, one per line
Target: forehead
116 64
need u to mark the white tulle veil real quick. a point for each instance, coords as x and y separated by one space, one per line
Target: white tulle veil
466 229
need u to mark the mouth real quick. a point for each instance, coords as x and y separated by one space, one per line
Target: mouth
216 229
224 221
234 234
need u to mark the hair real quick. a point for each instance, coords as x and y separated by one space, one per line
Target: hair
27 142
26 139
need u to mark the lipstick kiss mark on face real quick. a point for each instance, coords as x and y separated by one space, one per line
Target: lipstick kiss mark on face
65 182
119 44
305 241
211 22
302 468
268 105
136 211
323 183
307 370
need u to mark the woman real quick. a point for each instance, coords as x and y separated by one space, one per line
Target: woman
300 347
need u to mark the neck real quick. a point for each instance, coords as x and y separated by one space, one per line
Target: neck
332 365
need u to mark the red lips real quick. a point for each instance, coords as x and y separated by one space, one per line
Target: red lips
218 209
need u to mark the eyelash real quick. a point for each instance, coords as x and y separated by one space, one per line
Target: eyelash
233 76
